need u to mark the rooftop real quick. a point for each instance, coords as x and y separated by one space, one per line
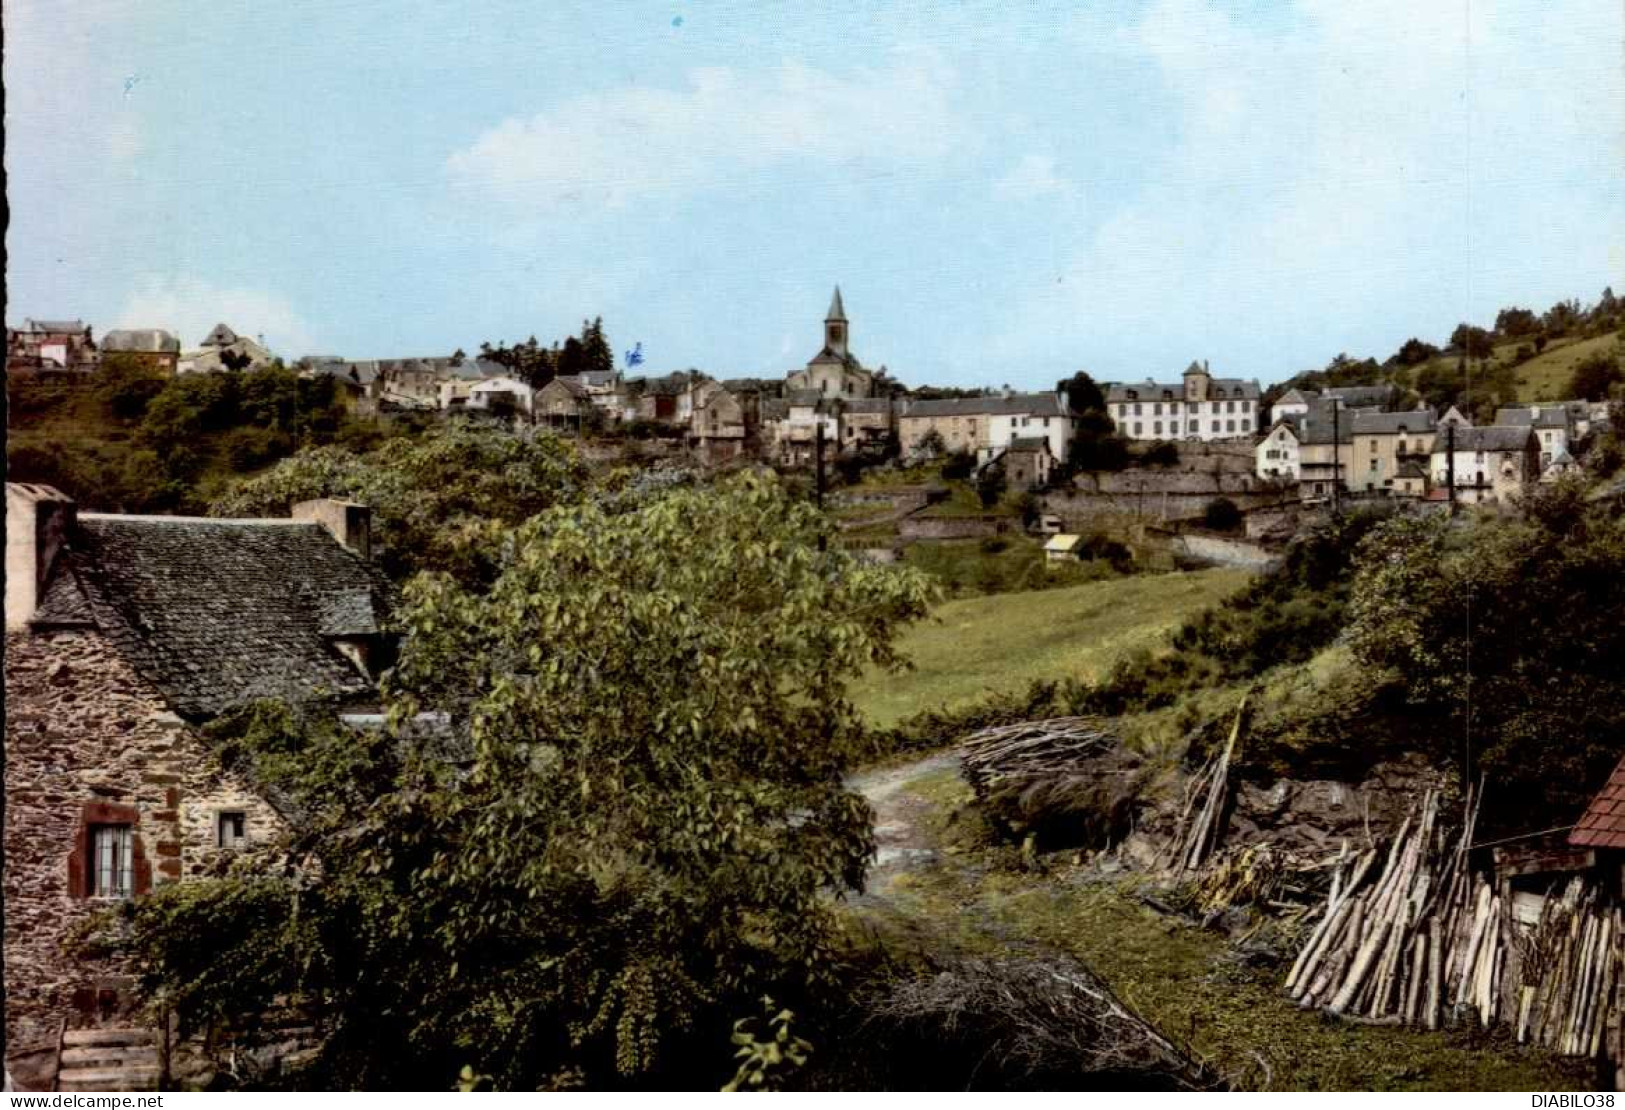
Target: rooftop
219 612
1603 823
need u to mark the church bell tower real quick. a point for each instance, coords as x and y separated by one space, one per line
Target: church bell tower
835 326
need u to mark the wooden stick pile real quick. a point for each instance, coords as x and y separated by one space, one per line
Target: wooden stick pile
1569 972
1030 750
1201 827
1425 942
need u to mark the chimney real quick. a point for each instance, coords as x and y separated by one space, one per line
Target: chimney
346 521
39 520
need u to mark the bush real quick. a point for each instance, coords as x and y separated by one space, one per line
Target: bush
1222 515
958 466
1161 453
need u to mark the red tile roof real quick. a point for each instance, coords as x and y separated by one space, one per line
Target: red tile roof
1603 825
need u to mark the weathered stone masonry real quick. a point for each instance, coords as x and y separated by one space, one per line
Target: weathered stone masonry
87 740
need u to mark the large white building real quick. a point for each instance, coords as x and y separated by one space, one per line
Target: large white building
1201 408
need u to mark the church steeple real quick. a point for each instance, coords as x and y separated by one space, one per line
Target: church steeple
835 327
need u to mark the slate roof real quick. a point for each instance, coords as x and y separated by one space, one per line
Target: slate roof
1029 443
1603 823
1490 437
1536 416
54 327
1412 470
803 398
143 340
221 336
1220 389
1393 423
837 311
1019 404
1354 396
218 612
570 385
872 405
1316 426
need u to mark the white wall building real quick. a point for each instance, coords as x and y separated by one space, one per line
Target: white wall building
1202 408
485 394
1278 453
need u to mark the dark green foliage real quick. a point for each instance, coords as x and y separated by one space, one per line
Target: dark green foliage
1514 323
1414 352
991 484
1474 342
1161 453
627 827
1082 394
1097 445
1222 515
1595 377
1507 633
958 466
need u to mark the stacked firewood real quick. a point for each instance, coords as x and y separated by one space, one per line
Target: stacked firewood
1422 941
1569 969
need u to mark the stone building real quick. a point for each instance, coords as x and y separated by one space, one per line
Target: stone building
157 348
1489 464
224 349
50 345
562 403
123 635
723 424
1201 407
1028 463
1556 426
1383 444
834 371
985 426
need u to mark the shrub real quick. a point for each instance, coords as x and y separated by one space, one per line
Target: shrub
1222 515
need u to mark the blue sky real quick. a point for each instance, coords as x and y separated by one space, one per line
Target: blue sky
1003 197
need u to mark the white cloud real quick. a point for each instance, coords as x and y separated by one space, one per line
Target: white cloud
636 142
1034 176
1404 163
189 307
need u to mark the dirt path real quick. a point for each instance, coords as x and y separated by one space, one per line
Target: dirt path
902 843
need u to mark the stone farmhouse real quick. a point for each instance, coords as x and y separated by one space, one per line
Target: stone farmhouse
1553 425
1201 408
1384 443
124 634
724 423
562 403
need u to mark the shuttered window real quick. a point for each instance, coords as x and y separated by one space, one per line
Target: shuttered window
112 853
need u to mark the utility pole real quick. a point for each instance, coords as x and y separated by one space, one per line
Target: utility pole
1450 462
818 457
1337 458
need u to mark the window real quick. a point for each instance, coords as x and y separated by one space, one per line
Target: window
1136 427
232 827
112 856
1246 425
1190 406
1136 410
1229 425
1229 406
1156 428
1215 425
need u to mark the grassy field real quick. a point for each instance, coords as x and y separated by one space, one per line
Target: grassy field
1002 642
1546 376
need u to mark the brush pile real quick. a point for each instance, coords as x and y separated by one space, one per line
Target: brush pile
1207 807
1031 1024
1422 941
1063 781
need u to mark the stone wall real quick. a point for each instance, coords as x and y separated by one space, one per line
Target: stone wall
1222 552
88 738
953 527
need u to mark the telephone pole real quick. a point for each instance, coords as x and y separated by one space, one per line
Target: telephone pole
1450 462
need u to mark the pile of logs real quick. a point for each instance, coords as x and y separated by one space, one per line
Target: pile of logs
1422 941
1568 972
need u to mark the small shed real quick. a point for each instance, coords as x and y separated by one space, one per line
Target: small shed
1063 548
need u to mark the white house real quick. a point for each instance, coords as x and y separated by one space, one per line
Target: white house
494 392
1201 408
1490 463
1294 402
1277 453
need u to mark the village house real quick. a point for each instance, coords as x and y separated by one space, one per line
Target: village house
124 634
224 349
1385 442
1489 464
1201 408
50 345
985 426
1294 402
604 390
723 424
1350 398
1554 426
1325 437
504 395
1028 463
152 346
1276 458
563 403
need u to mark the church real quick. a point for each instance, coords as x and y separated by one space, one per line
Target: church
834 371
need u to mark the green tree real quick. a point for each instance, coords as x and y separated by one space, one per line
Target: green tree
1082 393
1507 632
991 484
443 501
1413 352
1594 377
1474 342
628 832
1515 323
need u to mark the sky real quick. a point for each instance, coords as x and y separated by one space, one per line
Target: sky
1004 197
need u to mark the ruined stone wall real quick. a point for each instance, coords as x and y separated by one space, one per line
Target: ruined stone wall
88 738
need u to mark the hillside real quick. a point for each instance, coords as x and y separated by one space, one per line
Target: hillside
975 646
